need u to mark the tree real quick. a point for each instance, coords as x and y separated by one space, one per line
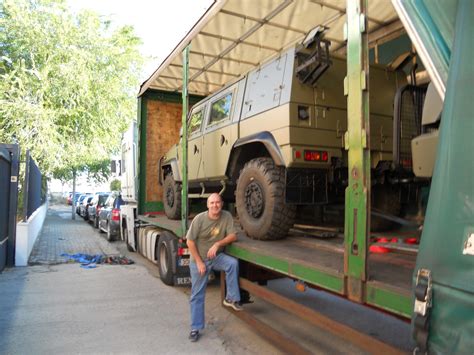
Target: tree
115 185
68 84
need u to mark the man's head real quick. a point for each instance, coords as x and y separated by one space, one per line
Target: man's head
214 205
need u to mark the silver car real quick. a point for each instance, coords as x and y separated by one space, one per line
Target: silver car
109 216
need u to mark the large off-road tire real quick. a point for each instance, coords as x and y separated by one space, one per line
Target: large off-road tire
172 197
385 199
166 257
260 200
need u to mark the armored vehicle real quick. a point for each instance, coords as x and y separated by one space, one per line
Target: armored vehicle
274 140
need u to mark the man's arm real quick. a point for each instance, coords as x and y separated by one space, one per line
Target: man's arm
195 253
211 254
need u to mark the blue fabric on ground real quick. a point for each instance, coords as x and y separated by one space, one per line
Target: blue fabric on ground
84 259
90 261
89 266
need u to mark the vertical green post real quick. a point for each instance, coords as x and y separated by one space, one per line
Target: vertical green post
184 143
357 205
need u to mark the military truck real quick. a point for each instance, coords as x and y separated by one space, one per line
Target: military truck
273 141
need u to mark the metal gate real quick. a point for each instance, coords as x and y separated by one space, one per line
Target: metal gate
9 165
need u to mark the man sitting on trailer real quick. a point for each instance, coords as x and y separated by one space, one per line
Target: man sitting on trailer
207 236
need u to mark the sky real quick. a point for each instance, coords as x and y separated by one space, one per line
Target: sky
160 24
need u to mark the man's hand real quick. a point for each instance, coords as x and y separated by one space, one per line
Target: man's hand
194 252
212 252
201 267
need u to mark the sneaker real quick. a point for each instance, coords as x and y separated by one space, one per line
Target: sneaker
234 305
194 335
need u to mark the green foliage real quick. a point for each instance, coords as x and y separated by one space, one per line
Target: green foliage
115 185
67 85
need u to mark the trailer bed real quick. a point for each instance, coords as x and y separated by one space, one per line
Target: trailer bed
316 257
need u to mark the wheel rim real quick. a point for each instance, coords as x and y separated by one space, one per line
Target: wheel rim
170 197
254 199
163 259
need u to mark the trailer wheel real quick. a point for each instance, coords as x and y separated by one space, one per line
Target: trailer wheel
386 199
166 257
260 201
172 197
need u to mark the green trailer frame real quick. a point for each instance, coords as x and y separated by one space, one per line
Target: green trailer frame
351 278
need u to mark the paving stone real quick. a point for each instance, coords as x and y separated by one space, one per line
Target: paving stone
61 234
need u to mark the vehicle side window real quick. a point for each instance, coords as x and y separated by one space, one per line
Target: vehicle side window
220 109
109 202
195 122
102 199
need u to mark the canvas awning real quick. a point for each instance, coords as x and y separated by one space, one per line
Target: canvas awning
235 36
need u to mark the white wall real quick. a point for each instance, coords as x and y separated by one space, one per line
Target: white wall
26 234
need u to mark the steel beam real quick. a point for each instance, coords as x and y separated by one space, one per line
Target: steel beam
357 202
355 337
277 339
184 142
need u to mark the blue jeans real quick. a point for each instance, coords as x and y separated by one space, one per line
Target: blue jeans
221 262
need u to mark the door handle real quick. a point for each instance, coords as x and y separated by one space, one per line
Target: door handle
196 150
222 139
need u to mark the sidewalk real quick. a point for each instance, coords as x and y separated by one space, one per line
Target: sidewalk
61 234
55 307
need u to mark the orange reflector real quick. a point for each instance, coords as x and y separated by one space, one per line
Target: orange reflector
378 250
298 154
300 286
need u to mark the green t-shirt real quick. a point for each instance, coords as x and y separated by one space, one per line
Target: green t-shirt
205 231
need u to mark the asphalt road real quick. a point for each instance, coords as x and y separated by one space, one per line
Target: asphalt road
57 307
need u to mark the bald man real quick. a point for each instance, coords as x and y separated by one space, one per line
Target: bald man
207 236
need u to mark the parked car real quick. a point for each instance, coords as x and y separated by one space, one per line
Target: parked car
70 200
79 202
95 206
84 206
109 216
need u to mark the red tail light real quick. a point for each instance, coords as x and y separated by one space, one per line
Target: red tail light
182 251
315 155
115 215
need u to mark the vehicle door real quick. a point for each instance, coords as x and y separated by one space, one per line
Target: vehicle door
221 131
105 212
195 142
92 206
441 31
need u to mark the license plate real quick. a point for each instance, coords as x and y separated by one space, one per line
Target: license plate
183 262
183 281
